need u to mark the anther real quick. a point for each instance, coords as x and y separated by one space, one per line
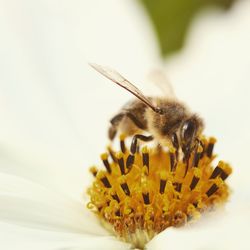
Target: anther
223 175
172 161
121 163
93 170
217 171
212 190
186 151
118 213
210 147
104 158
105 182
196 159
196 178
195 204
125 188
146 198
197 156
130 161
112 154
145 157
178 186
122 144
162 185
221 170
115 197
194 182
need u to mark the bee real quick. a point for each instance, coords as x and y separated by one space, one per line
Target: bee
165 119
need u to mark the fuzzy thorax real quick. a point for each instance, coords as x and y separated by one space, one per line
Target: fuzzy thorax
138 196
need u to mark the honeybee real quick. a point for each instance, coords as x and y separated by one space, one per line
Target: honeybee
165 119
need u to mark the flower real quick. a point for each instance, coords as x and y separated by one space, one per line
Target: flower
53 111
140 194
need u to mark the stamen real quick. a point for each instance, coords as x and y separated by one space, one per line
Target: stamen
217 171
137 203
163 182
172 161
119 156
104 179
210 147
115 197
197 156
223 175
162 186
194 182
146 198
196 178
130 161
105 182
93 170
178 186
112 154
212 190
118 213
104 158
122 144
223 170
145 157
125 188
217 183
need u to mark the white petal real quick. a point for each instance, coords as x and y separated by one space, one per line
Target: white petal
35 123
19 238
227 229
31 205
71 181
53 115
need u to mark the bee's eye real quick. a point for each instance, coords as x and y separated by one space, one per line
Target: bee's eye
188 131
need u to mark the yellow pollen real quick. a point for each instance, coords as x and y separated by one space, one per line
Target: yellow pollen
137 196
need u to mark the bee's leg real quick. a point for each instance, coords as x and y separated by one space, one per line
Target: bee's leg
133 147
200 143
140 137
112 132
114 123
176 145
117 119
186 151
137 123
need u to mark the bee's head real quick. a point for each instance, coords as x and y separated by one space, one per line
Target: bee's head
189 132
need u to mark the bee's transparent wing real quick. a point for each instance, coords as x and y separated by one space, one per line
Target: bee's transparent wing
116 77
159 78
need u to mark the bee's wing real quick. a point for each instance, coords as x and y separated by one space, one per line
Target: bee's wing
124 83
159 78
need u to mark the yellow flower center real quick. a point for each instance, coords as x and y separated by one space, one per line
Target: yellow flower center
139 195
